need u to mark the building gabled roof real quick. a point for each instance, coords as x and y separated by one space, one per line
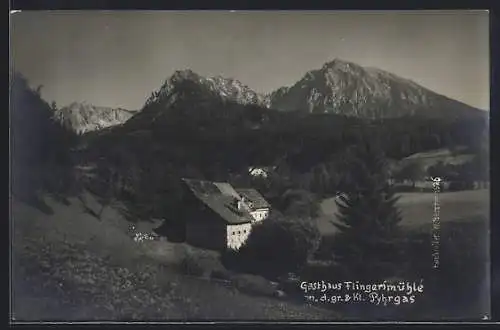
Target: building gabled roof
220 197
227 189
252 195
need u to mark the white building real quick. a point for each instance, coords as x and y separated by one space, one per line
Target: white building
217 216
258 207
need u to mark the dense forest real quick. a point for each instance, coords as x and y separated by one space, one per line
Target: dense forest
192 133
40 147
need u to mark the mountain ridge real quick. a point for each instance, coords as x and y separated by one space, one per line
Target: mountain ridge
347 88
83 117
337 87
229 89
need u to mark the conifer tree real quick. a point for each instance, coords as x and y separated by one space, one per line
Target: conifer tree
368 243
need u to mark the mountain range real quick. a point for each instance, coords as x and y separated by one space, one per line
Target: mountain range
338 87
216 128
84 117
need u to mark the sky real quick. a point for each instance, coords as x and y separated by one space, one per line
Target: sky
116 59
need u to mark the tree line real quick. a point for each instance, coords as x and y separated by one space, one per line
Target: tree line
200 136
40 147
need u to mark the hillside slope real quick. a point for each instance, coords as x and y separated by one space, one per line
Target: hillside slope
71 266
446 156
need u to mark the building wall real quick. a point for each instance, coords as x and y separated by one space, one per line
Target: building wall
204 228
260 214
206 233
236 235
258 172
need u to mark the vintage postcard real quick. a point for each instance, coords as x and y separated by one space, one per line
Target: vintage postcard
249 166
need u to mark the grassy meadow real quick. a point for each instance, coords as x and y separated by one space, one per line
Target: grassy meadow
418 208
459 287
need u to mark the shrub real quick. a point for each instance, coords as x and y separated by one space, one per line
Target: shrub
318 271
220 274
325 248
291 288
192 265
253 284
275 247
299 203
200 262
462 274
231 260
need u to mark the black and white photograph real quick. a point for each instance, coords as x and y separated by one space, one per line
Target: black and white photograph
250 166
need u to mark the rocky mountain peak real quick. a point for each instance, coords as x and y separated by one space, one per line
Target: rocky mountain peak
228 89
83 117
347 88
338 63
186 74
